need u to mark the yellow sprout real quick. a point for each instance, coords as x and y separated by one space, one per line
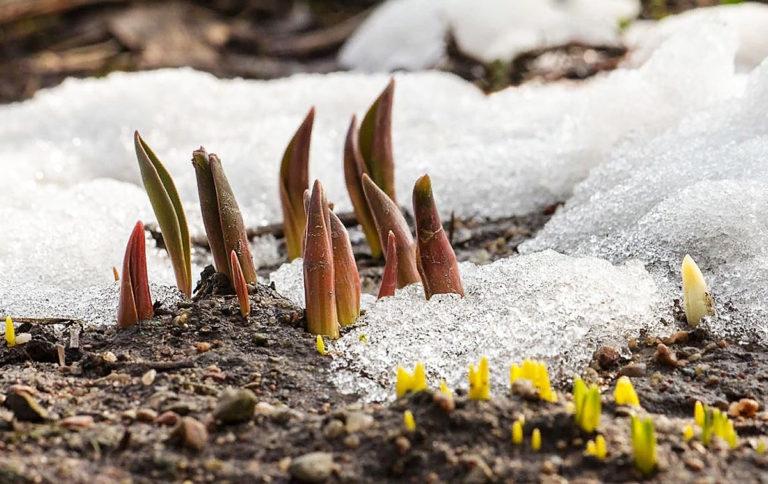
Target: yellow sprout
625 394
536 440
444 389
10 332
363 338
411 382
517 432
717 424
480 381
536 373
408 421
320 345
587 405
761 447
597 448
687 433
697 301
698 413
644 445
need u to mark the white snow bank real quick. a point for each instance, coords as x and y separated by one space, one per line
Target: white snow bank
548 306
73 189
700 188
749 20
411 34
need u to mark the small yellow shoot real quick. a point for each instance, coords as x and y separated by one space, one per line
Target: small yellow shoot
536 440
644 445
761 447
688 433
411 382
10 332
697 300
517 432
587 405
536 373
363 338
597 448
320 345
408 421
698 413
480 381
444 389
717 424
625 394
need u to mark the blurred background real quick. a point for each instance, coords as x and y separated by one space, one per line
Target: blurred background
44 41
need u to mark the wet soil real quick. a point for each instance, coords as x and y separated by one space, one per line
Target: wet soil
145 404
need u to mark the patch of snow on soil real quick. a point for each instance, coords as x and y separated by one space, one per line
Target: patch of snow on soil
548 306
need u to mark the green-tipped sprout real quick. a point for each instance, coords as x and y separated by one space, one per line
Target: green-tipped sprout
587 405
644 445
169 212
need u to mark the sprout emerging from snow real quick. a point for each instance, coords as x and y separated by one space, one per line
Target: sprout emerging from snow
169 212
294 180
388 218
346 276
434 254
320 345
135 300
697 301
319 278
223 222
624 393
238 281
644 445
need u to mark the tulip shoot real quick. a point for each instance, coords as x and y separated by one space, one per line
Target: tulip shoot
169 212
389 278
697 300
135 300
346 276
241 288
375 141
354 167
294 179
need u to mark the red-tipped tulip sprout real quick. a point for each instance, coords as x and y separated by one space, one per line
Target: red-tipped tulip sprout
135 301
437 261
241 288
319 277
376 141
347 279
389 279
294 179
387 216
354 167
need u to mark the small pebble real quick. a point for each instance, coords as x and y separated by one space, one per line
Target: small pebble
333 429
77 422
146 415
633 370
190 433
403 445
167 418
202 347
235 406
352 441
607 357
665 356
312 467
148 378
746 407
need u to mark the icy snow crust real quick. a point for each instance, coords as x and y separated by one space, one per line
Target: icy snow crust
549 306
701 188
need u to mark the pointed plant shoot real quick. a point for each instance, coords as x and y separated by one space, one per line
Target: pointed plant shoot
221 216
241 288
135 300
294 179
375 140
169 212
346 276
388 218
435 257
319 277
354 167
697 300
389 278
